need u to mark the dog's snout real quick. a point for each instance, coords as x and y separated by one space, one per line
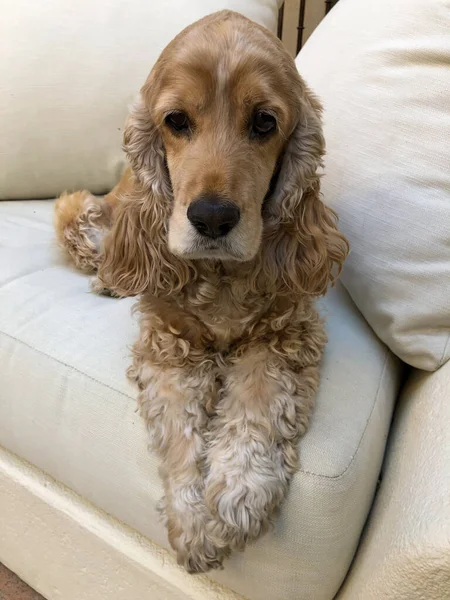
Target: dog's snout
213 216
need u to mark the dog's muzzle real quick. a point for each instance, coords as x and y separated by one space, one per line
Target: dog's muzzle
213 216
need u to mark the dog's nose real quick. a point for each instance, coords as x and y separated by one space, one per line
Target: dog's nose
213 216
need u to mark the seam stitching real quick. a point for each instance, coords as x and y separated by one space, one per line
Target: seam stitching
71 367
442 361
318 475
353 458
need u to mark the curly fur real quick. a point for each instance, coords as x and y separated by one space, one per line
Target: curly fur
227 361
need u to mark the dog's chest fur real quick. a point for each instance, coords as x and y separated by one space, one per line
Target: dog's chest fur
226 310
218 311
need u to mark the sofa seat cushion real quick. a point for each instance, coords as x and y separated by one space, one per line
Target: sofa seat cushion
67 407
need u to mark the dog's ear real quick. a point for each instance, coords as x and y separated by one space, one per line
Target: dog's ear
136 256
305 248
145 150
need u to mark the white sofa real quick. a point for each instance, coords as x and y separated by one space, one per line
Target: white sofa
78 486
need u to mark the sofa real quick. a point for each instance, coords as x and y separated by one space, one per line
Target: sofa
368 514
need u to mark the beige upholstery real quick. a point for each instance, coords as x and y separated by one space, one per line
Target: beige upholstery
69 550
67 408
69 70
381 68
79 521
405 553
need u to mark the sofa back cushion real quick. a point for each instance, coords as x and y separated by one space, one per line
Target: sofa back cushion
381 68
69 70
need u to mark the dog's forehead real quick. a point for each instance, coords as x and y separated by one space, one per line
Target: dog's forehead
231 59
197 79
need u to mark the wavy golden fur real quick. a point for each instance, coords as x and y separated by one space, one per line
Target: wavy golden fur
227 362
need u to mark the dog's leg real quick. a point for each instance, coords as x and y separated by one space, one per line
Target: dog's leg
82 220
252 452
173 401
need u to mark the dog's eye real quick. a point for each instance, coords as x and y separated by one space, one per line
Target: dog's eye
178 121
263 123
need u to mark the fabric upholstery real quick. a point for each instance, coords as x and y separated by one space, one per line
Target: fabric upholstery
69 71
66 407
405 552
67 549
381 68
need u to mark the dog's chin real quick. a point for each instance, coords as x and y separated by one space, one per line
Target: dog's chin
213 251
211 254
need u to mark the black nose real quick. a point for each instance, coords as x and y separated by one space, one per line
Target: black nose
213 216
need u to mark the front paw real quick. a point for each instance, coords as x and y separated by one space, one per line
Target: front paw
195 550
202 558
98 288
246 484
241 513
188 535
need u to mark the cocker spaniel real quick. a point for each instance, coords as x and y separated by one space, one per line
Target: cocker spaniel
219 228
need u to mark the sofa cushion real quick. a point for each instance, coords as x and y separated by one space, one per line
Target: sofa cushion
66 407
69 70
381 68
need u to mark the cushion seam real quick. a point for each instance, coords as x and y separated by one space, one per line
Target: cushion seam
318 475
353 458
442 361
72 368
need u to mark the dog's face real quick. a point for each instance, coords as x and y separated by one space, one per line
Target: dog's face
221 100
224 144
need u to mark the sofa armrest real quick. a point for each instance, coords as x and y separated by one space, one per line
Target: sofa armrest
405 549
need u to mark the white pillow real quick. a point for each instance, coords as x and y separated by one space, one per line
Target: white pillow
382 70
68 71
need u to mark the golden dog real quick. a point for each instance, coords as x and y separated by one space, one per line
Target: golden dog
219 227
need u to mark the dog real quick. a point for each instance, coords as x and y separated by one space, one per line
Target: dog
219 227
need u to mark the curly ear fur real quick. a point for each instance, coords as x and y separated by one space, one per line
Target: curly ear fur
136 255
145 150
303 245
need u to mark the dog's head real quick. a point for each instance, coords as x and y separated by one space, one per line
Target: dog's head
225 142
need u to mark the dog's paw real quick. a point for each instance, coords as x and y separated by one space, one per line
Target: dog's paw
240 516
243 489
98 288
188 536
201 556
81 222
